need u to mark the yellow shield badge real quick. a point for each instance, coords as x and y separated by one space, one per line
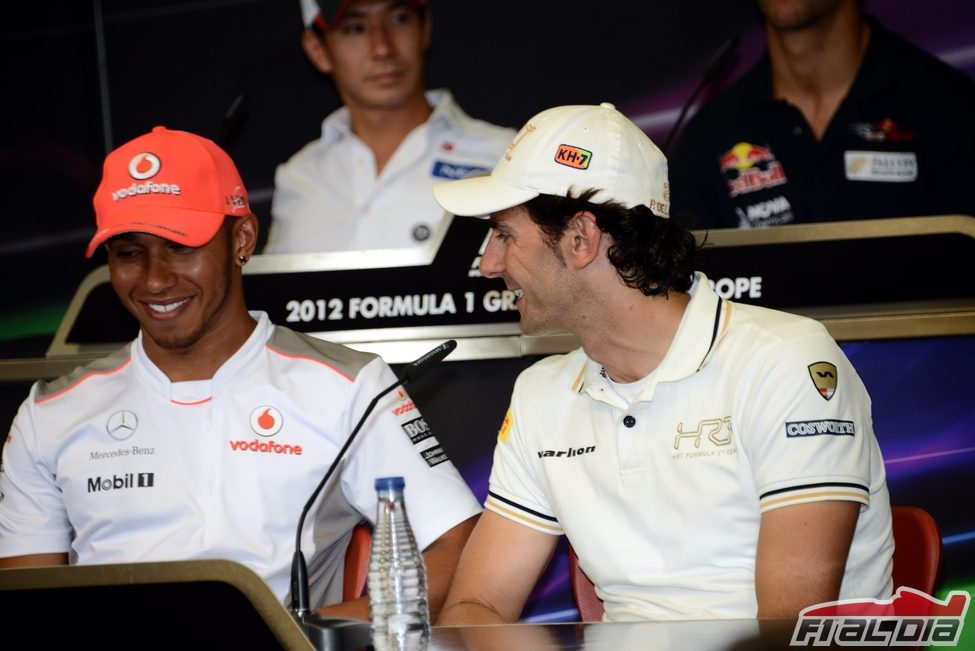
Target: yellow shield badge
823 375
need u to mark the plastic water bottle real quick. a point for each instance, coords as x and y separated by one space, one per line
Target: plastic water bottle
399 611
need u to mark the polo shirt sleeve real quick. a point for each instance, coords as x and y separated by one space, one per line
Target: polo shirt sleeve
514 489
396 441
805 423
33 519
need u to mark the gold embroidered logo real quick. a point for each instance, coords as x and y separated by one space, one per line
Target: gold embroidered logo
823 375
528 128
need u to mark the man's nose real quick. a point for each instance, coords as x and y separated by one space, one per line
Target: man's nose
492 260
379 41
158 273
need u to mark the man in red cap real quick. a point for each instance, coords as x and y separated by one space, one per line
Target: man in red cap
366 183
204 437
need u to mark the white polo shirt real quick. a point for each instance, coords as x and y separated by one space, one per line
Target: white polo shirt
114 463
750 410
328 197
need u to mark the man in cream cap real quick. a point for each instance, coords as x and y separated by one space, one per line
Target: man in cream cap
204 436
705 459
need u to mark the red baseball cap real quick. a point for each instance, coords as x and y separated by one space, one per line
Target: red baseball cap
326 14
173 184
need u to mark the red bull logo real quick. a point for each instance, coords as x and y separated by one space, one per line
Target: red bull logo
751 167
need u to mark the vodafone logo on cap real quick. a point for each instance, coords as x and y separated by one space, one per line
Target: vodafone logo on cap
144 166
266 421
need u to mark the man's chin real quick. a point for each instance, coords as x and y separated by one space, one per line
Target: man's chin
172 342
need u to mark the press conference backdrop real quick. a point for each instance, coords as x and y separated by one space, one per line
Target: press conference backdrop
83 76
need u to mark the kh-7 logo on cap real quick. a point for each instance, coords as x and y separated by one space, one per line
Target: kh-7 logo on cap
576 157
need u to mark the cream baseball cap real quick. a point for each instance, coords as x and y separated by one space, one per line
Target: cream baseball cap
564 148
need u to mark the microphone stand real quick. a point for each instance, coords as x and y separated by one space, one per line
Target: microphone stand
340 633
715 66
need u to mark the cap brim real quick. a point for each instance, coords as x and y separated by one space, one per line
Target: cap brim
479 196
187 227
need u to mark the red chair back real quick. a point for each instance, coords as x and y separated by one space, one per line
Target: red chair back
583 592
917 549
357 563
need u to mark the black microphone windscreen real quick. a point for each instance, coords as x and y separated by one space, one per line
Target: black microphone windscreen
418 368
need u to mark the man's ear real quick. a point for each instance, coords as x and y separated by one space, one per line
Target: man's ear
314 47
581 240
245 236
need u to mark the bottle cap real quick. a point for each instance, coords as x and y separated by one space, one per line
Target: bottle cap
390 484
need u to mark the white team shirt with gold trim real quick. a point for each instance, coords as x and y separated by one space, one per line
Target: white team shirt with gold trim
114 463
750 410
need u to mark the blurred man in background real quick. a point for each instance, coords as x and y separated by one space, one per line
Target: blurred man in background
366 182
839 120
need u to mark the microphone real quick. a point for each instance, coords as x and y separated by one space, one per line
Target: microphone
230 122
318 628
715 66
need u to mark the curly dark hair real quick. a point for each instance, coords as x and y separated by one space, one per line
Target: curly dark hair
653 254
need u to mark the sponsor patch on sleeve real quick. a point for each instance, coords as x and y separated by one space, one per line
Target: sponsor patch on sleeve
506 426
434 456
417 429
803 428
824 376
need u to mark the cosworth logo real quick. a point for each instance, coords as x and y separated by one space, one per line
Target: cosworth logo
816 427
909 618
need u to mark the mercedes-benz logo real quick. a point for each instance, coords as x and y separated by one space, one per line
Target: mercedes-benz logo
122 424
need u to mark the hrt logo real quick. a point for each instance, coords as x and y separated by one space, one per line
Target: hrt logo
909 618
716 430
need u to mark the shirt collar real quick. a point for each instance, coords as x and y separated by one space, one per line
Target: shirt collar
704 322
202 390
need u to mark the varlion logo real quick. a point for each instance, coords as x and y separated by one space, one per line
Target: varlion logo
823 375
144 166
909 618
